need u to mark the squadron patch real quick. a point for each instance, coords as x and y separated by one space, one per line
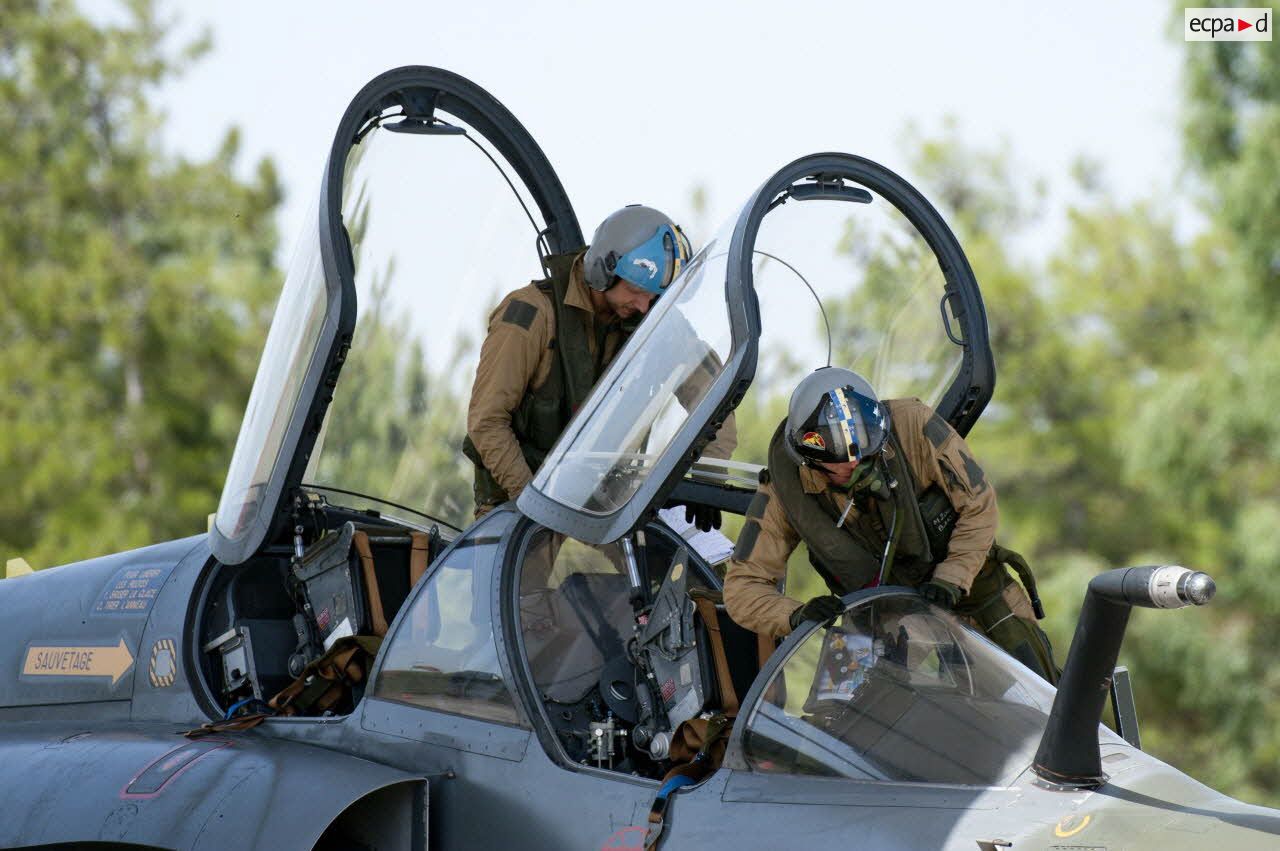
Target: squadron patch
976 478
519 313
812 438
937 431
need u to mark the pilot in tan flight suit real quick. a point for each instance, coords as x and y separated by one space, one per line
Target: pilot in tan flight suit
549 342
856 479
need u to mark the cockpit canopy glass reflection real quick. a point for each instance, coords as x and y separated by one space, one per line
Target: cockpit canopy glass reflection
438 238
897 690
881 289
291 344
440 228
664 372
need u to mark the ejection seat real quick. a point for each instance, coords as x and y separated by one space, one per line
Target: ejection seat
352 582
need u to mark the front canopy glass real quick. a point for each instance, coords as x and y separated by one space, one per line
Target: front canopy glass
898 690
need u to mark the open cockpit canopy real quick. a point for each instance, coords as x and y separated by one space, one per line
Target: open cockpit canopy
435 202
834 259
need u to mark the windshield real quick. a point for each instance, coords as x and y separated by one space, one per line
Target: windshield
291 344
438 238
665 371
897 690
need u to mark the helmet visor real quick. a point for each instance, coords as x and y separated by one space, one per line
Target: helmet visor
847 426
655 263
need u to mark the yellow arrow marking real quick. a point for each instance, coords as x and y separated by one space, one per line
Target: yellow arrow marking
44 660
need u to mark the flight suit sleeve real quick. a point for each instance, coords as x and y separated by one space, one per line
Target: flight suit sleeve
939 455
759 563
726 440
691 392
519 330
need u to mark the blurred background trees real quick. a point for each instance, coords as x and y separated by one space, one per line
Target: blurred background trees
1135 418
135 288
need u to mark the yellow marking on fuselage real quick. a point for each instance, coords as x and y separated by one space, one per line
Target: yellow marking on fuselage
48 660
16 567
1066 826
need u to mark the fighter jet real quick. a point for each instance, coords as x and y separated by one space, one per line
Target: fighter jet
345 660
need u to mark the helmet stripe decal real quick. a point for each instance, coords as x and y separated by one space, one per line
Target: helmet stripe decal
845 418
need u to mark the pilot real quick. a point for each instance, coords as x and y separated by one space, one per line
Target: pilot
881 493
549 342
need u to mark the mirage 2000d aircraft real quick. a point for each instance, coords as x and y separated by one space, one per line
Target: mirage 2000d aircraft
346 661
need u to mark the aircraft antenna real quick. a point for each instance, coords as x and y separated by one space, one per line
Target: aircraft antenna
821 309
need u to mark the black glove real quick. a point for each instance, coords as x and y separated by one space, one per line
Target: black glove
940 593
704 517
818 609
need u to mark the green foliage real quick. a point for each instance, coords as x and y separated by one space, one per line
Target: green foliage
1132 424
395 427
121 268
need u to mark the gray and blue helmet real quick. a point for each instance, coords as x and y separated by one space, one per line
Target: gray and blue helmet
638 244
835 417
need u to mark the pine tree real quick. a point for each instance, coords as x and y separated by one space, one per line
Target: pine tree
134 290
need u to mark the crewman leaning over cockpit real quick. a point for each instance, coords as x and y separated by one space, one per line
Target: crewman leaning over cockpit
848 474
549 342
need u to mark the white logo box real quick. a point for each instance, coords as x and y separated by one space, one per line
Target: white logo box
1239 24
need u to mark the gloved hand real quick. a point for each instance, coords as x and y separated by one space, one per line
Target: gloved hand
818 609
940 593
704 517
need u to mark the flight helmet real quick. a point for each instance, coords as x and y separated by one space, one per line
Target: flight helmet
834 416
637 244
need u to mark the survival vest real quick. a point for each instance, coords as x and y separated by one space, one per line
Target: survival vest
848 557
544 412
